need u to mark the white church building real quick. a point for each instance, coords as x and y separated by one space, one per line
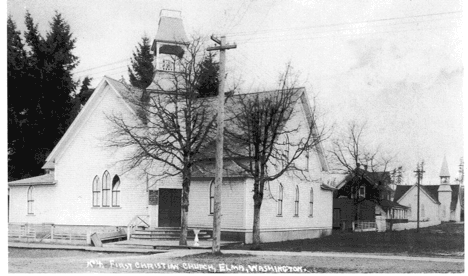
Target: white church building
85 186
437 203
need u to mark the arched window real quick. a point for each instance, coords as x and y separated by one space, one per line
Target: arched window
311 203
105 189
116 191
423 213
296 202
409 210
96 191
280 200
212 197
30 200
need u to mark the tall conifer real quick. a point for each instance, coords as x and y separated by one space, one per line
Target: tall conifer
141 72
46 95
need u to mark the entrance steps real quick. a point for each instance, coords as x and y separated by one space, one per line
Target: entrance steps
167 233
163 244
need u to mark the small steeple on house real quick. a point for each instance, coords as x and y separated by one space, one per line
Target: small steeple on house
444 192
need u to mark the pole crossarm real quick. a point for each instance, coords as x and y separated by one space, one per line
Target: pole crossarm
221 48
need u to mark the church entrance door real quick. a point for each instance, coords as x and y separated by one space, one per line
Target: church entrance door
169 207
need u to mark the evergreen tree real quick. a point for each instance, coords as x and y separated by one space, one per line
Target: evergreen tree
17 80
208 81
46 95
85 91
79 100
141 72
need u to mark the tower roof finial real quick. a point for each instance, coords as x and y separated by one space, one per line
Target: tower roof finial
444 172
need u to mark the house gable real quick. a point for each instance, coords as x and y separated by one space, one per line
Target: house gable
85 114
414 188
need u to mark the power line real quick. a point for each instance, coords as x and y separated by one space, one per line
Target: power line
274 40
346 23
107 70
338 30
238 21
89 69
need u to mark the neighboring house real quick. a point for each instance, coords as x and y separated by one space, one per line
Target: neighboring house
362 202
86 186
437 203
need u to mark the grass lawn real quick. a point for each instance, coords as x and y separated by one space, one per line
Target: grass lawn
442 240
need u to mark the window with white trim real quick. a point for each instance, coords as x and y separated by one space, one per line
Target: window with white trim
105 189
362 191
280 200
116 191
96 192
212 197
167 65
296 202
30 200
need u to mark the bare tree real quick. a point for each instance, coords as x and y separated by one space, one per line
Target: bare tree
461 172
262 142
351 155
176 125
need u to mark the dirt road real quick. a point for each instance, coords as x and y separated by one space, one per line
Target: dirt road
64 261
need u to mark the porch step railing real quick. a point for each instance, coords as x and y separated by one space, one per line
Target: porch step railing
138 221
363 226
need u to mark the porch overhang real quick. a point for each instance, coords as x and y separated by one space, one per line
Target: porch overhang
46 179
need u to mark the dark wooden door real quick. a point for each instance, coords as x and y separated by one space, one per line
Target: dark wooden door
169 207
336 218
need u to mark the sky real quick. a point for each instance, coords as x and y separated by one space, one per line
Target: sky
394 65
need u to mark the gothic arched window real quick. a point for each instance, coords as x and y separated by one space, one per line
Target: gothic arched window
296 202
96 191
116 191
280 200
105 189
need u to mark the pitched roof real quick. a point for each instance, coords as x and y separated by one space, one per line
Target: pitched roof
372 177
207 169
171 29
128 92
46 179
387 204
400 191
432 191
233 106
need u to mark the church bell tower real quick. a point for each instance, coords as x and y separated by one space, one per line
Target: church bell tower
168 47
444 192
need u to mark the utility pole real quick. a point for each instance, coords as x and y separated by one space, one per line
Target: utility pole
419 171
219 140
